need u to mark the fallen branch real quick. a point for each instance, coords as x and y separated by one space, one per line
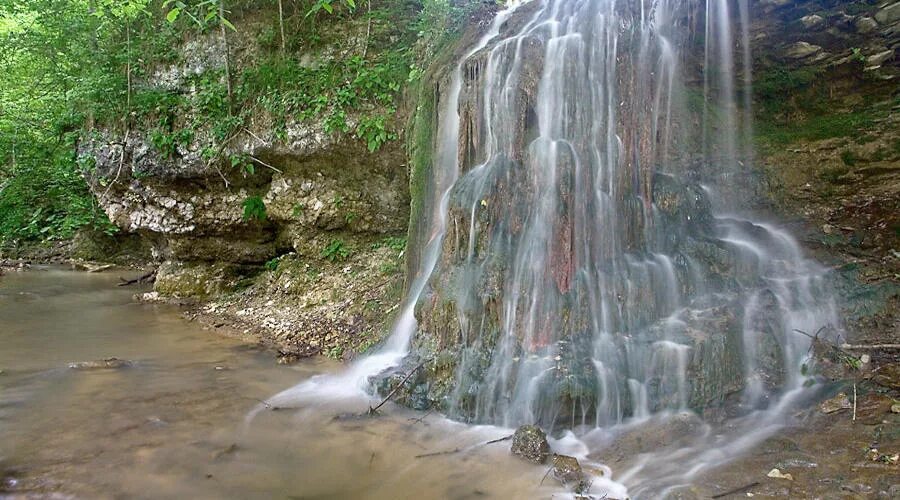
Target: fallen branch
458 450
736 490
121 162
139 279
420 419
436 453
257 160
373 411
545 475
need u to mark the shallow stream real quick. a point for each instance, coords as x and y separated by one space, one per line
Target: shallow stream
174 423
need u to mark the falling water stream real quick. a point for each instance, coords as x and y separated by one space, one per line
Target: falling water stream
587 273
588 265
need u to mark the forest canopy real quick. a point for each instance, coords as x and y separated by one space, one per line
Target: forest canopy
71 65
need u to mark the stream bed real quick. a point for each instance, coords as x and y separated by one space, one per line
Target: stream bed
180 413
174 422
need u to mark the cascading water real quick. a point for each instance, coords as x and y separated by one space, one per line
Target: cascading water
575 272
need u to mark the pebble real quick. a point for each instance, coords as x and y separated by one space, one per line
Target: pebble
777 474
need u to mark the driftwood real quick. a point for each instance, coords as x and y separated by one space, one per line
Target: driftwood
458 450
736 490
140 279
373 411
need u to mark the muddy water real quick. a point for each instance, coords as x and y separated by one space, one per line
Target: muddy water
175 423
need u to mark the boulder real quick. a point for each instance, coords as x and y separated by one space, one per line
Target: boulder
879 58
865 25
889 14
872 408
801 50
812 20
568 471
888 376
530 443
835 404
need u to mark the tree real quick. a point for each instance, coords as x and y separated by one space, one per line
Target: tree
204 14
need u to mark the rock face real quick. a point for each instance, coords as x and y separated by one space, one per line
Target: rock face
277 189
827 127
530 443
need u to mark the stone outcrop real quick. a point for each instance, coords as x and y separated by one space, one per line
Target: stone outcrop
272 210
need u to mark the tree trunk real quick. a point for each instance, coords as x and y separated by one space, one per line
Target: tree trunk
225 45
281 25
128 69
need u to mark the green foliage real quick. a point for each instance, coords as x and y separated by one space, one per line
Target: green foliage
272 265
167 142
254 208
56 62
395 243
336 251
328 6
335 352
373 130
772 86
815 128
71 65
849 158
833 175
204 14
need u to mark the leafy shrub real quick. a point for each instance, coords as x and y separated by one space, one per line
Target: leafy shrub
336 251
395 243
849 158
254 209
373 131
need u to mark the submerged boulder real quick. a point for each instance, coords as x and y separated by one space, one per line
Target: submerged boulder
101 364
530 443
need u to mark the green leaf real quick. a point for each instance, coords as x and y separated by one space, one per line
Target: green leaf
228 24
173 15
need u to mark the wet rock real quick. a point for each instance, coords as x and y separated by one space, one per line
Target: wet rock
102 364
888 14
796 463
858 488
865 25
888 376
568 471
801 50
871 408
837 403
195 280
811 20
530 443
777 474
654 435
879 58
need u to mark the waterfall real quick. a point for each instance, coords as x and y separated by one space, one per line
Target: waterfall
579 270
